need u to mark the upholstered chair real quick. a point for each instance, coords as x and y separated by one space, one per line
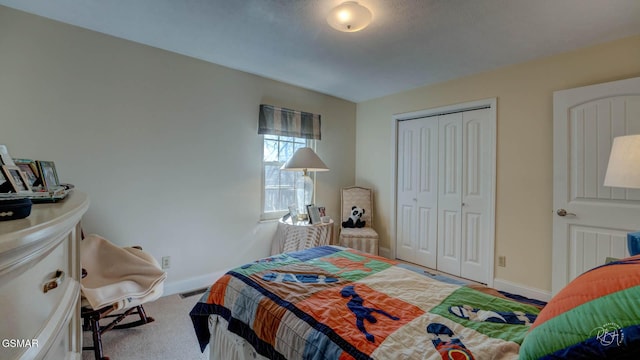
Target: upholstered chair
365 238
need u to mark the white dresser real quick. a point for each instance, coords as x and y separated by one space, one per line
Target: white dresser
40 282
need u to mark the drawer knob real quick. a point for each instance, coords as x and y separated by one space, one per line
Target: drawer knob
55 282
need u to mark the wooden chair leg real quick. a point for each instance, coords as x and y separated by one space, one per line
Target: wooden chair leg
143 315
97 339
144 319
92 322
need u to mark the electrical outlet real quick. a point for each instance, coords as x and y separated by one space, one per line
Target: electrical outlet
502 261
166 262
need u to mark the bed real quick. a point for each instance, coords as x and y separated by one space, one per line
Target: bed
331 302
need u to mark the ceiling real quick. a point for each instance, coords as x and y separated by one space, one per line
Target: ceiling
410 43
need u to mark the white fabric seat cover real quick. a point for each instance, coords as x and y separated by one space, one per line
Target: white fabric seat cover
118 276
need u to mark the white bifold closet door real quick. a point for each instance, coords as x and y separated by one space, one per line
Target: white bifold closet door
417 192
445 192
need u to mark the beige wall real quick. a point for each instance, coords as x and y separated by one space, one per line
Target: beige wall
166 146
524 145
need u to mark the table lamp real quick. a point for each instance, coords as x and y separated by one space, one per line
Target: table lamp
305 160
624 171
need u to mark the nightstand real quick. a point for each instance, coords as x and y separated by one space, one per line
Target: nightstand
300 235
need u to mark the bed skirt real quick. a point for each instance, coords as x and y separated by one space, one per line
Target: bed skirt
225 345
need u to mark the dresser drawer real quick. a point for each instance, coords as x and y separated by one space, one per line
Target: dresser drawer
61 345
28 313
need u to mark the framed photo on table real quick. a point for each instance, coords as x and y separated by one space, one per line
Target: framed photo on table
48 174
5 158
314 214
16 178
322 211
5 185
293 211
30 169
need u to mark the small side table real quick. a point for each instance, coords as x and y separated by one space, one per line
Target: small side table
300 235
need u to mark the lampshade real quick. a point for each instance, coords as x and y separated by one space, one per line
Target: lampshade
624 163
304 159
349 17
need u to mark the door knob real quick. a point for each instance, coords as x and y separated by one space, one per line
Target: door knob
563 212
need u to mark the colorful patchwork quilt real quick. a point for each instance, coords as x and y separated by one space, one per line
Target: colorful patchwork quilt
336 303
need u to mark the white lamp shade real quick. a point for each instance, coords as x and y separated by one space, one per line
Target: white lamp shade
624 163
349 17
304 159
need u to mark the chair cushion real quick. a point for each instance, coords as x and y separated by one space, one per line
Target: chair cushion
357 196
365 232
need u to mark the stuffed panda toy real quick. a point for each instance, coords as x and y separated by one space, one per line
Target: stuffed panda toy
354 220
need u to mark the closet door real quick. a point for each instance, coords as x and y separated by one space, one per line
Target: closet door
450 193
477 194
445 190
417 195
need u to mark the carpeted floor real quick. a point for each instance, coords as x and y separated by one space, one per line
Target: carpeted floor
169 337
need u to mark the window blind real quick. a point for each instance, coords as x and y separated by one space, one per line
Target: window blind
274 120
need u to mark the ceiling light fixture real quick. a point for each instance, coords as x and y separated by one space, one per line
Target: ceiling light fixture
349 17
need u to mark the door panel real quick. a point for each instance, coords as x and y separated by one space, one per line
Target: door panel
450 193
427 195
405 222
472 240
426 234
477 194
417 192
585 122
590 247
593 126
406 190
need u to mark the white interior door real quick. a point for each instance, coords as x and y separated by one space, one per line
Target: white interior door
477 194
597 218
450 193
417 195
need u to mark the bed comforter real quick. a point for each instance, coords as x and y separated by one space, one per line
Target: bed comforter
331 302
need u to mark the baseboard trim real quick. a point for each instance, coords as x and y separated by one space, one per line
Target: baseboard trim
518 289
384 252
181 286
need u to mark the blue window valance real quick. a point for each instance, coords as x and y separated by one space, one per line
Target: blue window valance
274 120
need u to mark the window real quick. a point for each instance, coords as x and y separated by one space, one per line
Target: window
278 186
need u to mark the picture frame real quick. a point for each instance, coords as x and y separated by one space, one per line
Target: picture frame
5 185
17 179
322 211
314 214
48 174
30 169
293 211
5 158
